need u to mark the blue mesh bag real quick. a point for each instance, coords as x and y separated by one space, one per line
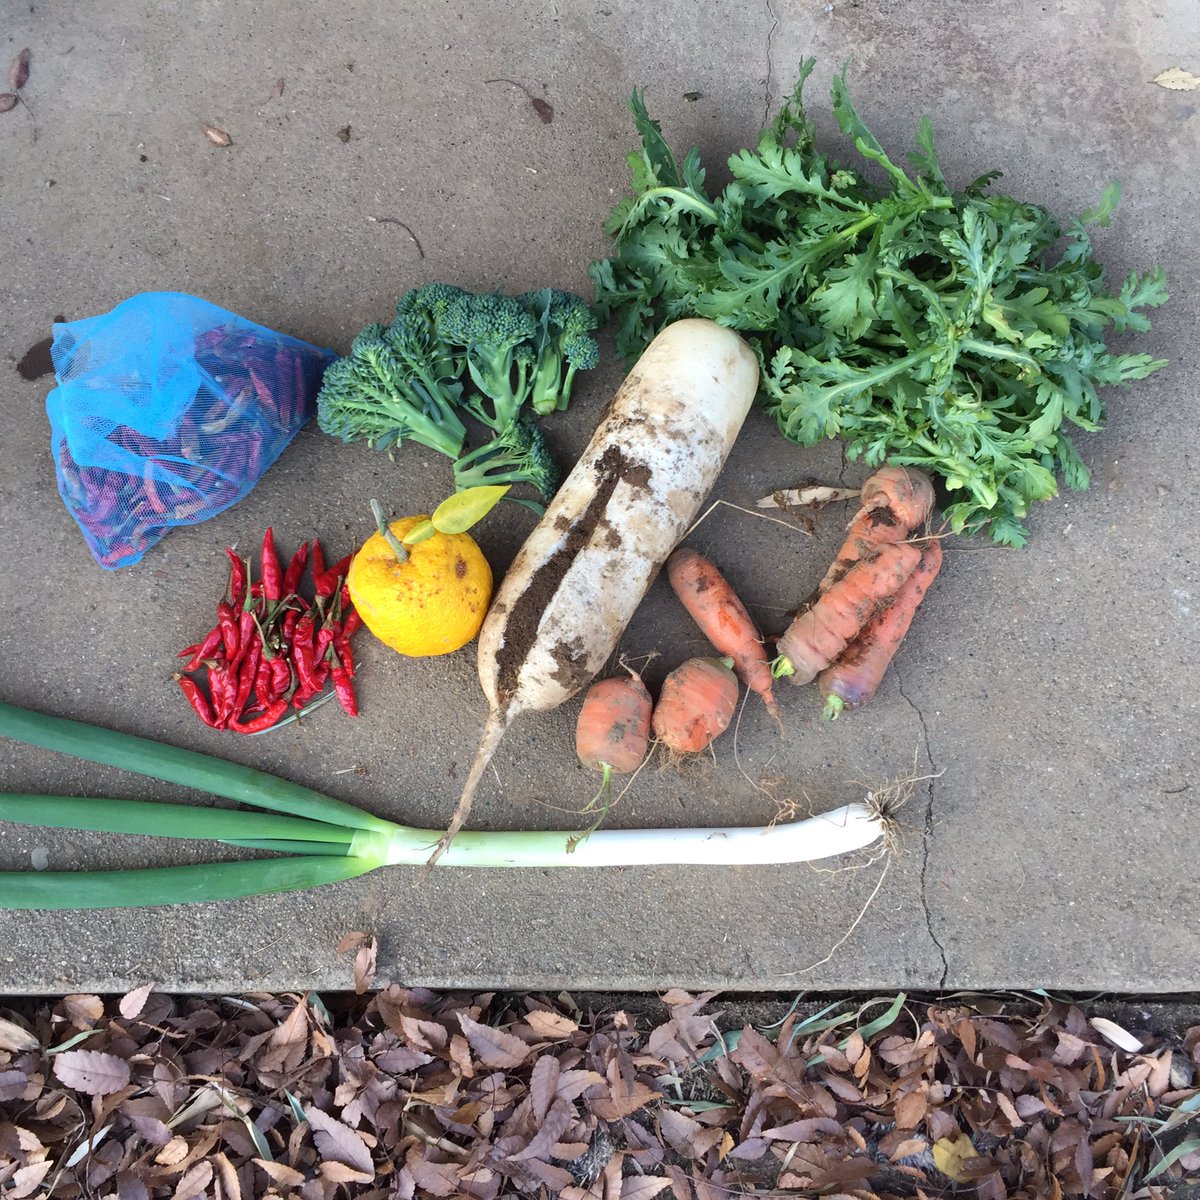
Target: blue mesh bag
167 411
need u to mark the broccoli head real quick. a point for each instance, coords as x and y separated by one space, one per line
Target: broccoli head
501 358
378 395
565 345
517 454
497 337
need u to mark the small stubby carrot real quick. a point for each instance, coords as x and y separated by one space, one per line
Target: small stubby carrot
723 619
820 634
696 704
612 736
856 676
612 732
894 502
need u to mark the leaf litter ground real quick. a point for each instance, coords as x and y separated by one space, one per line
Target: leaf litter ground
400 1093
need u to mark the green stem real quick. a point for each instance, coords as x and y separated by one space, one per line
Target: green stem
198 883
164 820
385 532
184 767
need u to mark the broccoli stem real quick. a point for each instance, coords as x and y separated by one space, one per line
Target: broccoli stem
444 433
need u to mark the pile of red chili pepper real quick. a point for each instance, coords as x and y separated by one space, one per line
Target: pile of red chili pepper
273 650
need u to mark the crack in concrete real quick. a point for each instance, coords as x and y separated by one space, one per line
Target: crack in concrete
928 835
770 66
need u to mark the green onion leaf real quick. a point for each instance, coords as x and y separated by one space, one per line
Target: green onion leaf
198 883
186 767
165 820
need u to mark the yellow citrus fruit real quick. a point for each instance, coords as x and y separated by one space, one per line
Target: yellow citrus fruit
432 604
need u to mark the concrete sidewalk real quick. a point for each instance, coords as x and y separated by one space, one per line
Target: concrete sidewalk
1051 691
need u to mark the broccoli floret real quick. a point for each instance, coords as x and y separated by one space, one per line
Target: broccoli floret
431 300
518 454
497 336
565 345
384 393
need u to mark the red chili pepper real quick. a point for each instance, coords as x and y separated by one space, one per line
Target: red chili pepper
246 675
352 624
321 673
264 720
332 577
206 648
264 393
188 651
197 699
245 634
229 631
151 490
318 560
222 684
290 620
272 579
302 652
291 578
262 684
345 690
281 676
237 580
342 646
324 641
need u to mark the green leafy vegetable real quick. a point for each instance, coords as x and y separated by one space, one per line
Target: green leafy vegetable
957 331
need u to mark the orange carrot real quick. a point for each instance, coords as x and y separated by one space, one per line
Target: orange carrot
613 729
723 619
612 735
856 676
819 635
894 502
697 702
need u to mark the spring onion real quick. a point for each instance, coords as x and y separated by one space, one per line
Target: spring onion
321 840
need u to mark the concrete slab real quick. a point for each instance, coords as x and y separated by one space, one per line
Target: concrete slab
1051 690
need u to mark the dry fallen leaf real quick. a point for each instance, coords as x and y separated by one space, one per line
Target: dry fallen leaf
173 1153
543 110
14 1037
495 1047
949 1155
550 1025
337 1141
132 1003
1110 1031
92 1072
1177 80
343 134
365 951
8 101
218 137
277 90
18 73
83 1011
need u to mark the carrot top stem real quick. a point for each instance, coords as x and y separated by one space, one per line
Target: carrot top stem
599 800
833 708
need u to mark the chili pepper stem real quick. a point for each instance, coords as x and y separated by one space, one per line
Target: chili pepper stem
397 546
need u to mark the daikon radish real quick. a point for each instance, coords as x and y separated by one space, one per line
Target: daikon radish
630 498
